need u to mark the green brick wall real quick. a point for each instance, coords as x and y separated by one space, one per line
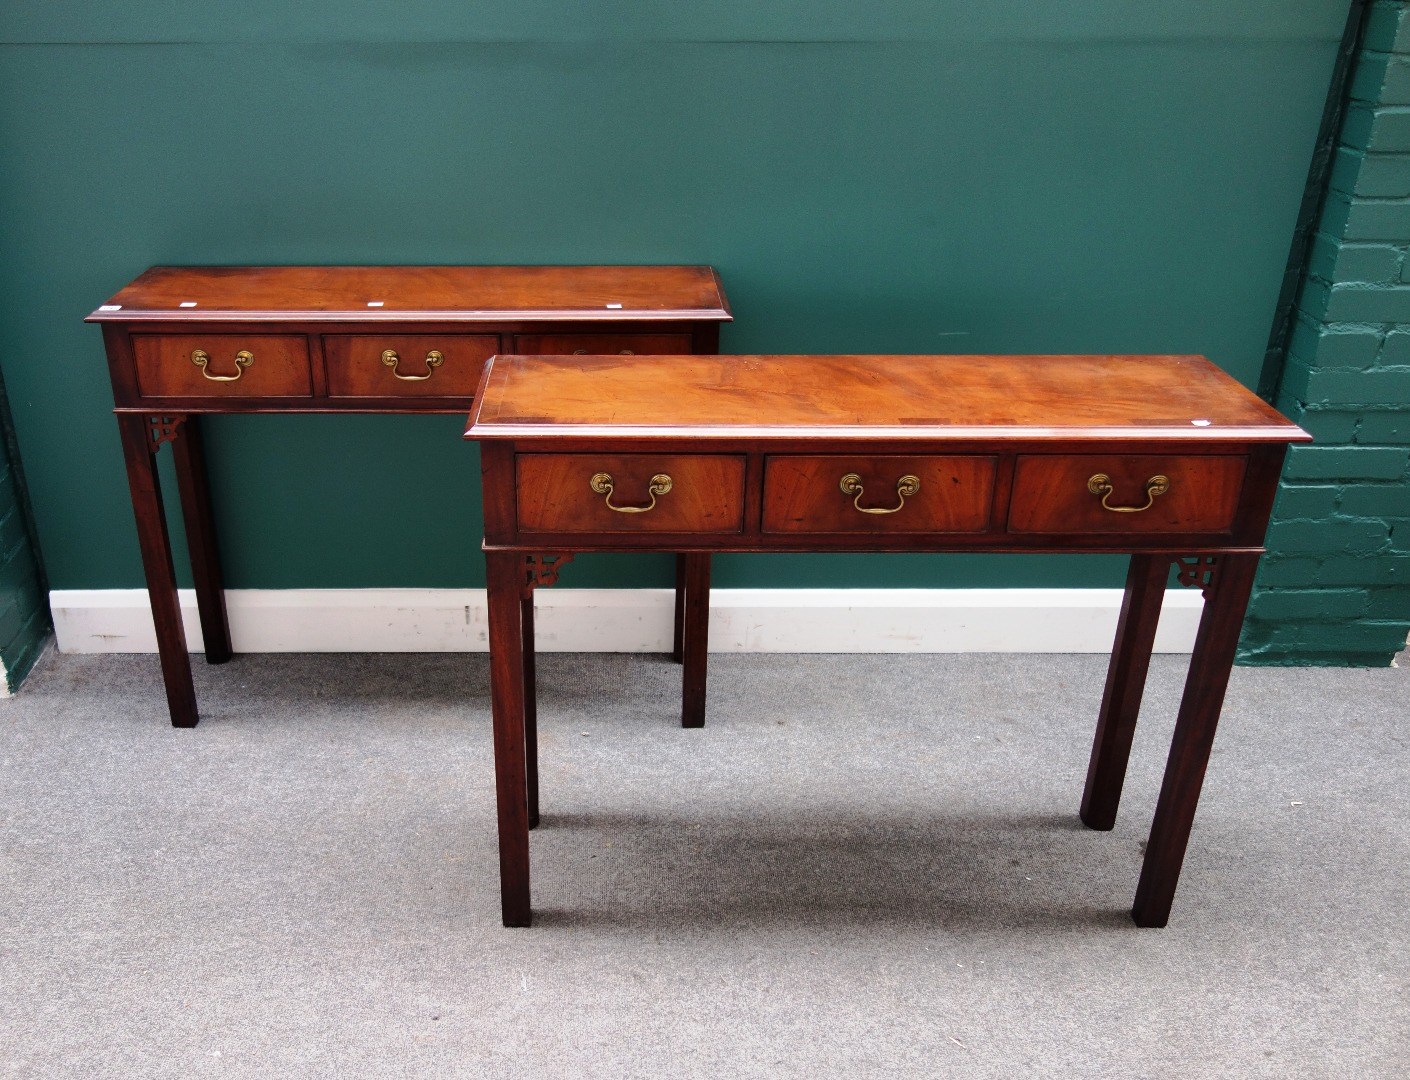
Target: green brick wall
1335 588
24 610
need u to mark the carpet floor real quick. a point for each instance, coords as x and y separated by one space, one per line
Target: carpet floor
862 866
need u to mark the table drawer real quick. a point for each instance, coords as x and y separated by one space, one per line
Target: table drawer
1115 493
222 365
602 344
406 365
630 493
868 494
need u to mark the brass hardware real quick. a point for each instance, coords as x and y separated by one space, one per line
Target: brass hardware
243 359
434 359
584 352
1101 485
851 484
602 484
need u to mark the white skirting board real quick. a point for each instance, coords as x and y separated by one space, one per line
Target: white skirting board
635 620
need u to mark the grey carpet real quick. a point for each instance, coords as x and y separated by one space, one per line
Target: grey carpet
863 866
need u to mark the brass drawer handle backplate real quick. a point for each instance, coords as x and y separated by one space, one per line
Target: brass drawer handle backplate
851 484
434 359
602 484
243 359
1101 485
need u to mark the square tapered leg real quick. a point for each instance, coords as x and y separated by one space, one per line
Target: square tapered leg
139 448
1210 665
505 584
1125 683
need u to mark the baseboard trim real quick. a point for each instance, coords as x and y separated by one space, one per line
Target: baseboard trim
635 620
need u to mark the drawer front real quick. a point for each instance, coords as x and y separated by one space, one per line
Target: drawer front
870 494
576 493
222 365
1111 493
406 365
601 344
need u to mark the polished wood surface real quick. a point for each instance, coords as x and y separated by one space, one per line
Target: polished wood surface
706 495
278 368
1050 493
356 368
804 494
418 293
899 397
1004 450
314 338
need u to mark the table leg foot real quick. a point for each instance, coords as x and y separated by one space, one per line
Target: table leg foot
506 581
697 639
1226 600
141 437
1144 919
1125 683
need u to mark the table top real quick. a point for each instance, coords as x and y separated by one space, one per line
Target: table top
468 294
1153 398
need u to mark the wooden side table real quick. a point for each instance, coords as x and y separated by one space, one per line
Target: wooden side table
182 341
1162 457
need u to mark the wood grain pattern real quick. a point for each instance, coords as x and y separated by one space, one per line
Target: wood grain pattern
1050 493
319 333
1008 454
355 368
895 397
448 293
706 496
280 368
803 495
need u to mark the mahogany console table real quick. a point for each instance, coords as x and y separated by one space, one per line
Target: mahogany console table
182 341
1163 457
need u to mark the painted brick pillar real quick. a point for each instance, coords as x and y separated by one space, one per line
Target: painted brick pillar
24 605
1335 587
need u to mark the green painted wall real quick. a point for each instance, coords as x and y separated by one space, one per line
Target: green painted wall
1103 175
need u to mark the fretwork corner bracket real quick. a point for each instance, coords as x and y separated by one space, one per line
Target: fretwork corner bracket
1197 571
543 570
164 429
